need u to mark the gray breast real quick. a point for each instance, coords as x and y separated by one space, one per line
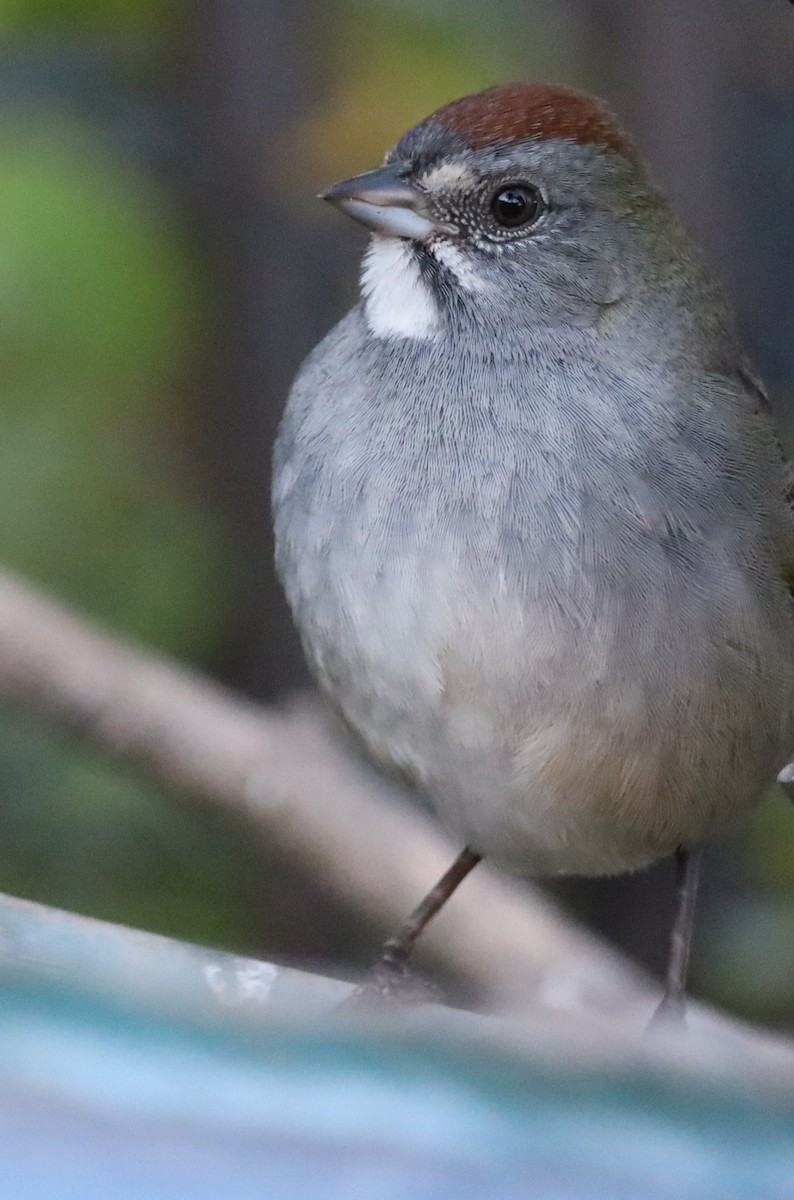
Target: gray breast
495 577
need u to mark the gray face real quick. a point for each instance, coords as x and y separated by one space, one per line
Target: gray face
520 239
489 197
530 231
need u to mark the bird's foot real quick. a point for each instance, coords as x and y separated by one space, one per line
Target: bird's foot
670 1013
390 982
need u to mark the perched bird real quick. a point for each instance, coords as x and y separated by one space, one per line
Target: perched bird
531 511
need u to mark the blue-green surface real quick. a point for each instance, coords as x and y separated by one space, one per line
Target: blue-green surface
100 1100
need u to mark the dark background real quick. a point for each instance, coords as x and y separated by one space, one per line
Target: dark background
164 267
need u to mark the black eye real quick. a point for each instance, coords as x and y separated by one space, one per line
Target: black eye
516 205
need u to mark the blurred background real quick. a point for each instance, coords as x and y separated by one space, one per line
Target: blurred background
164 267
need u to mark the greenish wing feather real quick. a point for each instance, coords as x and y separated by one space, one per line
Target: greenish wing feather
764 411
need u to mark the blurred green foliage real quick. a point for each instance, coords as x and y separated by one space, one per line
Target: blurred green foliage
100 500
96 305
745 958
79 834
398 61
144 18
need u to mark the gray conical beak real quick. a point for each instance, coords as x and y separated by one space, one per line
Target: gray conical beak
386 204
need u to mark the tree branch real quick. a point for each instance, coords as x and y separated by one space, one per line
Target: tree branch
283 773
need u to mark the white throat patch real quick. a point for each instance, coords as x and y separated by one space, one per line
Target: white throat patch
397 301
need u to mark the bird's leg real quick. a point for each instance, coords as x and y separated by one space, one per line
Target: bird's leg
687 874
391 969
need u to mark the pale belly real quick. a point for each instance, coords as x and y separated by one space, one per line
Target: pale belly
556 737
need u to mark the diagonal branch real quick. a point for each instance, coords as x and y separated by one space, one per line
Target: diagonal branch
283 773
